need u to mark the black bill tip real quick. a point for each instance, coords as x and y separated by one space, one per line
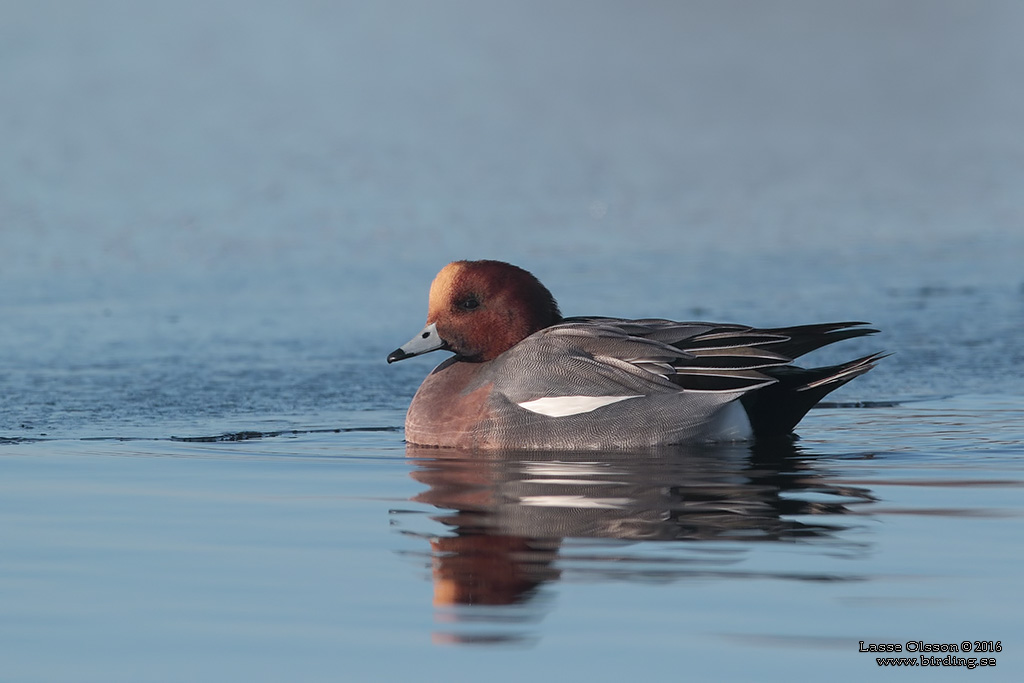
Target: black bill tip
398 354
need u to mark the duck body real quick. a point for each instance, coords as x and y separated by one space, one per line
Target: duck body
525 378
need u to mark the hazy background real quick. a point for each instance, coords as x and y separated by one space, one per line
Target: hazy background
177 139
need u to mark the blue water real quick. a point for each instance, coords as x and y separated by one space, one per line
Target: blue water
217 219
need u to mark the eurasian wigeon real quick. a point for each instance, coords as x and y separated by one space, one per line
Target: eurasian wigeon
524 377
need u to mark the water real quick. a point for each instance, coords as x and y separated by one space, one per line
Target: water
216 220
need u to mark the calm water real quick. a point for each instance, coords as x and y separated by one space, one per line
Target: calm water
217 220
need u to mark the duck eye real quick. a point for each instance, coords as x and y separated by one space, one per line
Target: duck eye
469 303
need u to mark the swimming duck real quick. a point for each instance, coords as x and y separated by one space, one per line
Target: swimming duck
523 377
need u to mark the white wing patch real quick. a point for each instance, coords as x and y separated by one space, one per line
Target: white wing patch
577 502
563 406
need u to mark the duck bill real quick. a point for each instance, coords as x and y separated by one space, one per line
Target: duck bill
426 341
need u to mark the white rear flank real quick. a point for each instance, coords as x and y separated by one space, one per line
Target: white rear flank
732 424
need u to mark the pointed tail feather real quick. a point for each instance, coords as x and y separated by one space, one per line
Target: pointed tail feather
806 338
838 375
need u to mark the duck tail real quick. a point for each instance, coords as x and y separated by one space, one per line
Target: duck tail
776 409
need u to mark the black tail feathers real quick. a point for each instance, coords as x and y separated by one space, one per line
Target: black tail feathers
776 409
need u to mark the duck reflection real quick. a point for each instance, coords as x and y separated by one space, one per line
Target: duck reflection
511 515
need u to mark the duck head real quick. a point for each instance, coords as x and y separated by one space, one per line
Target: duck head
479 310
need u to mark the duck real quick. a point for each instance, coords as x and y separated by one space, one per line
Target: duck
523 377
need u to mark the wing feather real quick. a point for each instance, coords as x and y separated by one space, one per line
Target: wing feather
645 355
